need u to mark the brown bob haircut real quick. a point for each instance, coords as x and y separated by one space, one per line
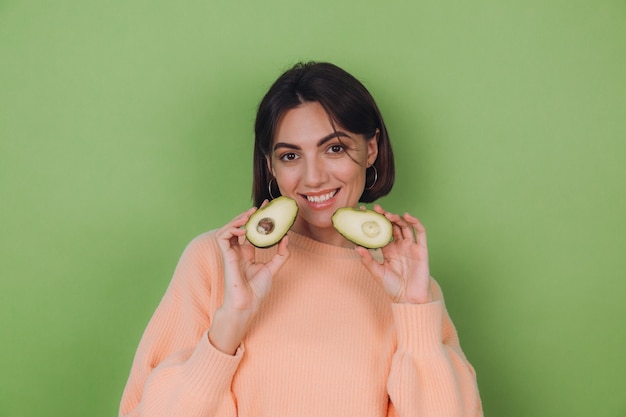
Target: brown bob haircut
347 103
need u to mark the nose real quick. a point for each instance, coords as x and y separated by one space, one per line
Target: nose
315 173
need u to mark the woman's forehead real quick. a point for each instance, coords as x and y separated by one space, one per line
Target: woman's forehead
308 122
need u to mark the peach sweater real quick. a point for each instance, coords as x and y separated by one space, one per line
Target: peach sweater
327 341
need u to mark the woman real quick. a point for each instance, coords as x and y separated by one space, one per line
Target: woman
314 326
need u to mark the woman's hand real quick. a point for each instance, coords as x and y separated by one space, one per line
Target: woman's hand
246 283
404 272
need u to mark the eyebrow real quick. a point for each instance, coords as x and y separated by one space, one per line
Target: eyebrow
322 141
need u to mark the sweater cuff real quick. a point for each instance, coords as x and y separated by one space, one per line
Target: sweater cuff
418 326
211 370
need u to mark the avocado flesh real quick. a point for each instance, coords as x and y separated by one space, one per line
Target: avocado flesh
268 225
365 228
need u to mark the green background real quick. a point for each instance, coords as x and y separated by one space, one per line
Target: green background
126 130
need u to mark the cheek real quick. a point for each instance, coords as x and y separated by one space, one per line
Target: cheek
350 171
352 178
286 177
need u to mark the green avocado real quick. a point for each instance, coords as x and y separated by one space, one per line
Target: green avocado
268 225
365 228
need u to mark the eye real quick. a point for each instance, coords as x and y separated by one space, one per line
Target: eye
289 156
336 148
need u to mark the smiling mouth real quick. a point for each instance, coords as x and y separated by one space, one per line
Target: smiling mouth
322 197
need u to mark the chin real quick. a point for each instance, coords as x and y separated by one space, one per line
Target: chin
318 220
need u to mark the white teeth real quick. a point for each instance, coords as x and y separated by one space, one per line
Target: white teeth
321 198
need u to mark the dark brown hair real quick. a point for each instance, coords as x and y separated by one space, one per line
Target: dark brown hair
348 104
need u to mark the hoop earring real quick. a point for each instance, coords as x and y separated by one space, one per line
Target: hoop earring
375 178
269 188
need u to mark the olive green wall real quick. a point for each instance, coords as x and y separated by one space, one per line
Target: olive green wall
125 131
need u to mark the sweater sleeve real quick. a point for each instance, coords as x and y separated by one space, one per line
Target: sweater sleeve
176 371
430 375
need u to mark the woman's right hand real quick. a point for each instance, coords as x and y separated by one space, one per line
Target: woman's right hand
246 283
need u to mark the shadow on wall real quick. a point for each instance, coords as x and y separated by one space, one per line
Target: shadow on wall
459 262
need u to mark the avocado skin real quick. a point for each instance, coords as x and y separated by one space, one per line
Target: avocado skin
282 221
360 217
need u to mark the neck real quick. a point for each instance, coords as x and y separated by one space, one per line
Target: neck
328 235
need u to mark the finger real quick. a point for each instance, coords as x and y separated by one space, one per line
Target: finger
228 238
402 228
379 209
370 263
246 251
283 246
241 219
420 230
408 231
280 257
395 219
397 232
246 214
229 234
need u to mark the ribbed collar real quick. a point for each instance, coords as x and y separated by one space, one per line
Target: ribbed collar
307 244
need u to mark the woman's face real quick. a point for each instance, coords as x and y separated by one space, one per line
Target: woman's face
321 168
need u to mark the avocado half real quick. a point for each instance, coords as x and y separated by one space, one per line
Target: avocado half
365 228
267 226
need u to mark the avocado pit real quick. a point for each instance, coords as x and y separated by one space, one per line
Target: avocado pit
265 226
371 228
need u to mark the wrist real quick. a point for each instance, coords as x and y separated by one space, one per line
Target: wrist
228 329
419 297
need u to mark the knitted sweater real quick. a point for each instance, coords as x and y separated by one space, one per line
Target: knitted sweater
327 341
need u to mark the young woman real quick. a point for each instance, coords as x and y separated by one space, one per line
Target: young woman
314 326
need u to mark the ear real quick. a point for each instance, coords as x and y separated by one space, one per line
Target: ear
372 149
268 160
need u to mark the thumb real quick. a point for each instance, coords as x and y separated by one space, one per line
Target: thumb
280 257
372 265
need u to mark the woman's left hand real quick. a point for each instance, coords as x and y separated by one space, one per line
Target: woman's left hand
404 272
